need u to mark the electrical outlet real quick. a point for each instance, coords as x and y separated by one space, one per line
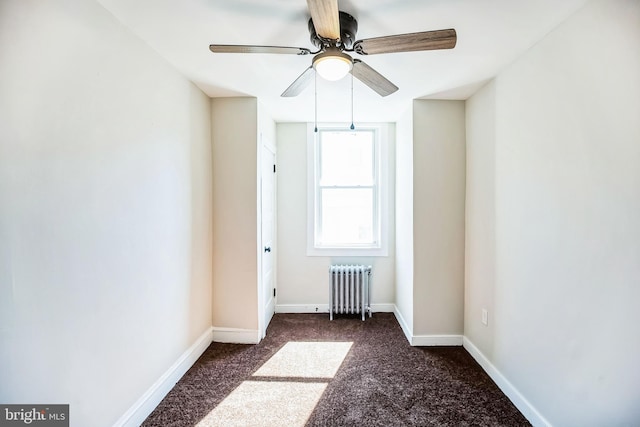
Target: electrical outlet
485 317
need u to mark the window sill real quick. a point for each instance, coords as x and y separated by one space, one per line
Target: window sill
347 252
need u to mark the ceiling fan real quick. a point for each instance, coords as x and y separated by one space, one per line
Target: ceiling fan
333 33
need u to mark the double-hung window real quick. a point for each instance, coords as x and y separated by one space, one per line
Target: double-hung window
346 198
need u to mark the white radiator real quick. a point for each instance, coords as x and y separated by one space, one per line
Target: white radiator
349 289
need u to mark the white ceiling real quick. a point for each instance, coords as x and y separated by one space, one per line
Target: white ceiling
491 34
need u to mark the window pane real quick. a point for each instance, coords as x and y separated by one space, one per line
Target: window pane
346 158
347 217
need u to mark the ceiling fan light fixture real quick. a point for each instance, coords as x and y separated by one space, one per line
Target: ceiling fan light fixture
332 64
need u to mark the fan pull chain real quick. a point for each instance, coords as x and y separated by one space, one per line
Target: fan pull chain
315 98
352 126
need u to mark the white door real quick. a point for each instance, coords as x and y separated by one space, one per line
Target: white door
268 227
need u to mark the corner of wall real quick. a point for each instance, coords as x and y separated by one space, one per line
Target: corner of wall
141 409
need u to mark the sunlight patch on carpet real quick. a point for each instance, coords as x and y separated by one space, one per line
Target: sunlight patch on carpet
306 360
268 404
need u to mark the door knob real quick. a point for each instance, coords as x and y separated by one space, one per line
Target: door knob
267 249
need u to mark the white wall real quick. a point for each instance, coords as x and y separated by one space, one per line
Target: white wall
404 225
303 280
105 211
480 243
235 224
561 163
438 217
238 127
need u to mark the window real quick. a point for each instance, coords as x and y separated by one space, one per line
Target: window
346 192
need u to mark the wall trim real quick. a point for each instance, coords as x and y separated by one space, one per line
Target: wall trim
236 335
383 308
523 405
408 333
302 308
324 308
436 340
425 340
141 409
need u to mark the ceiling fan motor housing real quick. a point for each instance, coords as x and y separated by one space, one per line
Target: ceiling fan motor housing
348 30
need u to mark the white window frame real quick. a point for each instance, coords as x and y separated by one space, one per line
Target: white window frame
381 156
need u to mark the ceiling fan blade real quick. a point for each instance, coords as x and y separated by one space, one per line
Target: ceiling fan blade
300 83
372 78
426 40
235 48
325 17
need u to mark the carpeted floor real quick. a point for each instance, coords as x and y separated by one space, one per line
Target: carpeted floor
382 380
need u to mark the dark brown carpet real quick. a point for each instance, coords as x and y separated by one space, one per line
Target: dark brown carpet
383 381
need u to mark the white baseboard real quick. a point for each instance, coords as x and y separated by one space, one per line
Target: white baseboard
324 308
383 308
436 340
425 340
236 335
302 308
154 395
408 332
523 405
